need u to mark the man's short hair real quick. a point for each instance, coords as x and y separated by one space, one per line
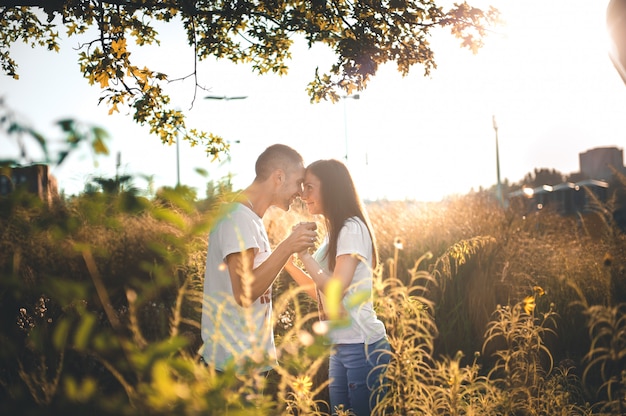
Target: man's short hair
277 156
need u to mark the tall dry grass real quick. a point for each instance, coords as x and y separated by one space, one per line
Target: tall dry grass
488 311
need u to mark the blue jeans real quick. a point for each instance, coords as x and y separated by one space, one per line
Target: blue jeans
356 375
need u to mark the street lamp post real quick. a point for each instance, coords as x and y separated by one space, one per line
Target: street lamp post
227 98
208 97
499 188
345 120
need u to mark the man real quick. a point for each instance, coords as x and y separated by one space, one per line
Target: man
236 320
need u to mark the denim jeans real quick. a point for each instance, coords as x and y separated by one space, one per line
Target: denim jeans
356 375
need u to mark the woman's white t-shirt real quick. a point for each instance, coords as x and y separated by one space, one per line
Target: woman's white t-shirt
363 324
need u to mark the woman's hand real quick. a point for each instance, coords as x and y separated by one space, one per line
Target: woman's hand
304 254
303 237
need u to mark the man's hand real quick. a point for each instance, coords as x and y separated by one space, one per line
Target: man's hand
303 237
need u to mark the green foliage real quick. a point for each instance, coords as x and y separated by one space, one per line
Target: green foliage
363 36
114 305
21 23
74 134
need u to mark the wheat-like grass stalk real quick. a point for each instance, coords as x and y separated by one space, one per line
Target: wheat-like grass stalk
607 353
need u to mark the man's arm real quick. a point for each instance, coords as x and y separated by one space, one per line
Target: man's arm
249 284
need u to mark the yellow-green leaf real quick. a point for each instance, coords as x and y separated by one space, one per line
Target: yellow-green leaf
333 292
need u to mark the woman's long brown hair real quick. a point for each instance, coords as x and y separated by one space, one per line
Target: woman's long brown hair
340 201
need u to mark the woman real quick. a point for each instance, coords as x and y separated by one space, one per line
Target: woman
348 255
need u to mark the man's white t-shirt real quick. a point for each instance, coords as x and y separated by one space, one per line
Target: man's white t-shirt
231 332
364 326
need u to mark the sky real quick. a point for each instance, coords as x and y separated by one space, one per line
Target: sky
546 77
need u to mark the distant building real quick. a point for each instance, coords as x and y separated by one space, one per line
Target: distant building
565 198
34 178
592 185
597 163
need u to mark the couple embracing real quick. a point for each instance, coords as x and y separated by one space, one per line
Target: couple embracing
241 267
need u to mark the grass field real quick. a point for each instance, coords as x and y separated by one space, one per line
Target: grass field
489 311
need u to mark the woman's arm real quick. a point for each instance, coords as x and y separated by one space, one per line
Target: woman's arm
300 277
345 267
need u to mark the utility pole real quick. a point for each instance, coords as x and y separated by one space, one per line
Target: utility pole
177 161
345 120
499 188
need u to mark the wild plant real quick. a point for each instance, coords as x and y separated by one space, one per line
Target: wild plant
418 383
411 332
302 355
523 368
113 316
606 358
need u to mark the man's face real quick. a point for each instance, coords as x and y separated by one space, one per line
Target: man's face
291 187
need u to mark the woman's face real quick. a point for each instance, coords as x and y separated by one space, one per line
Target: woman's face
312 194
